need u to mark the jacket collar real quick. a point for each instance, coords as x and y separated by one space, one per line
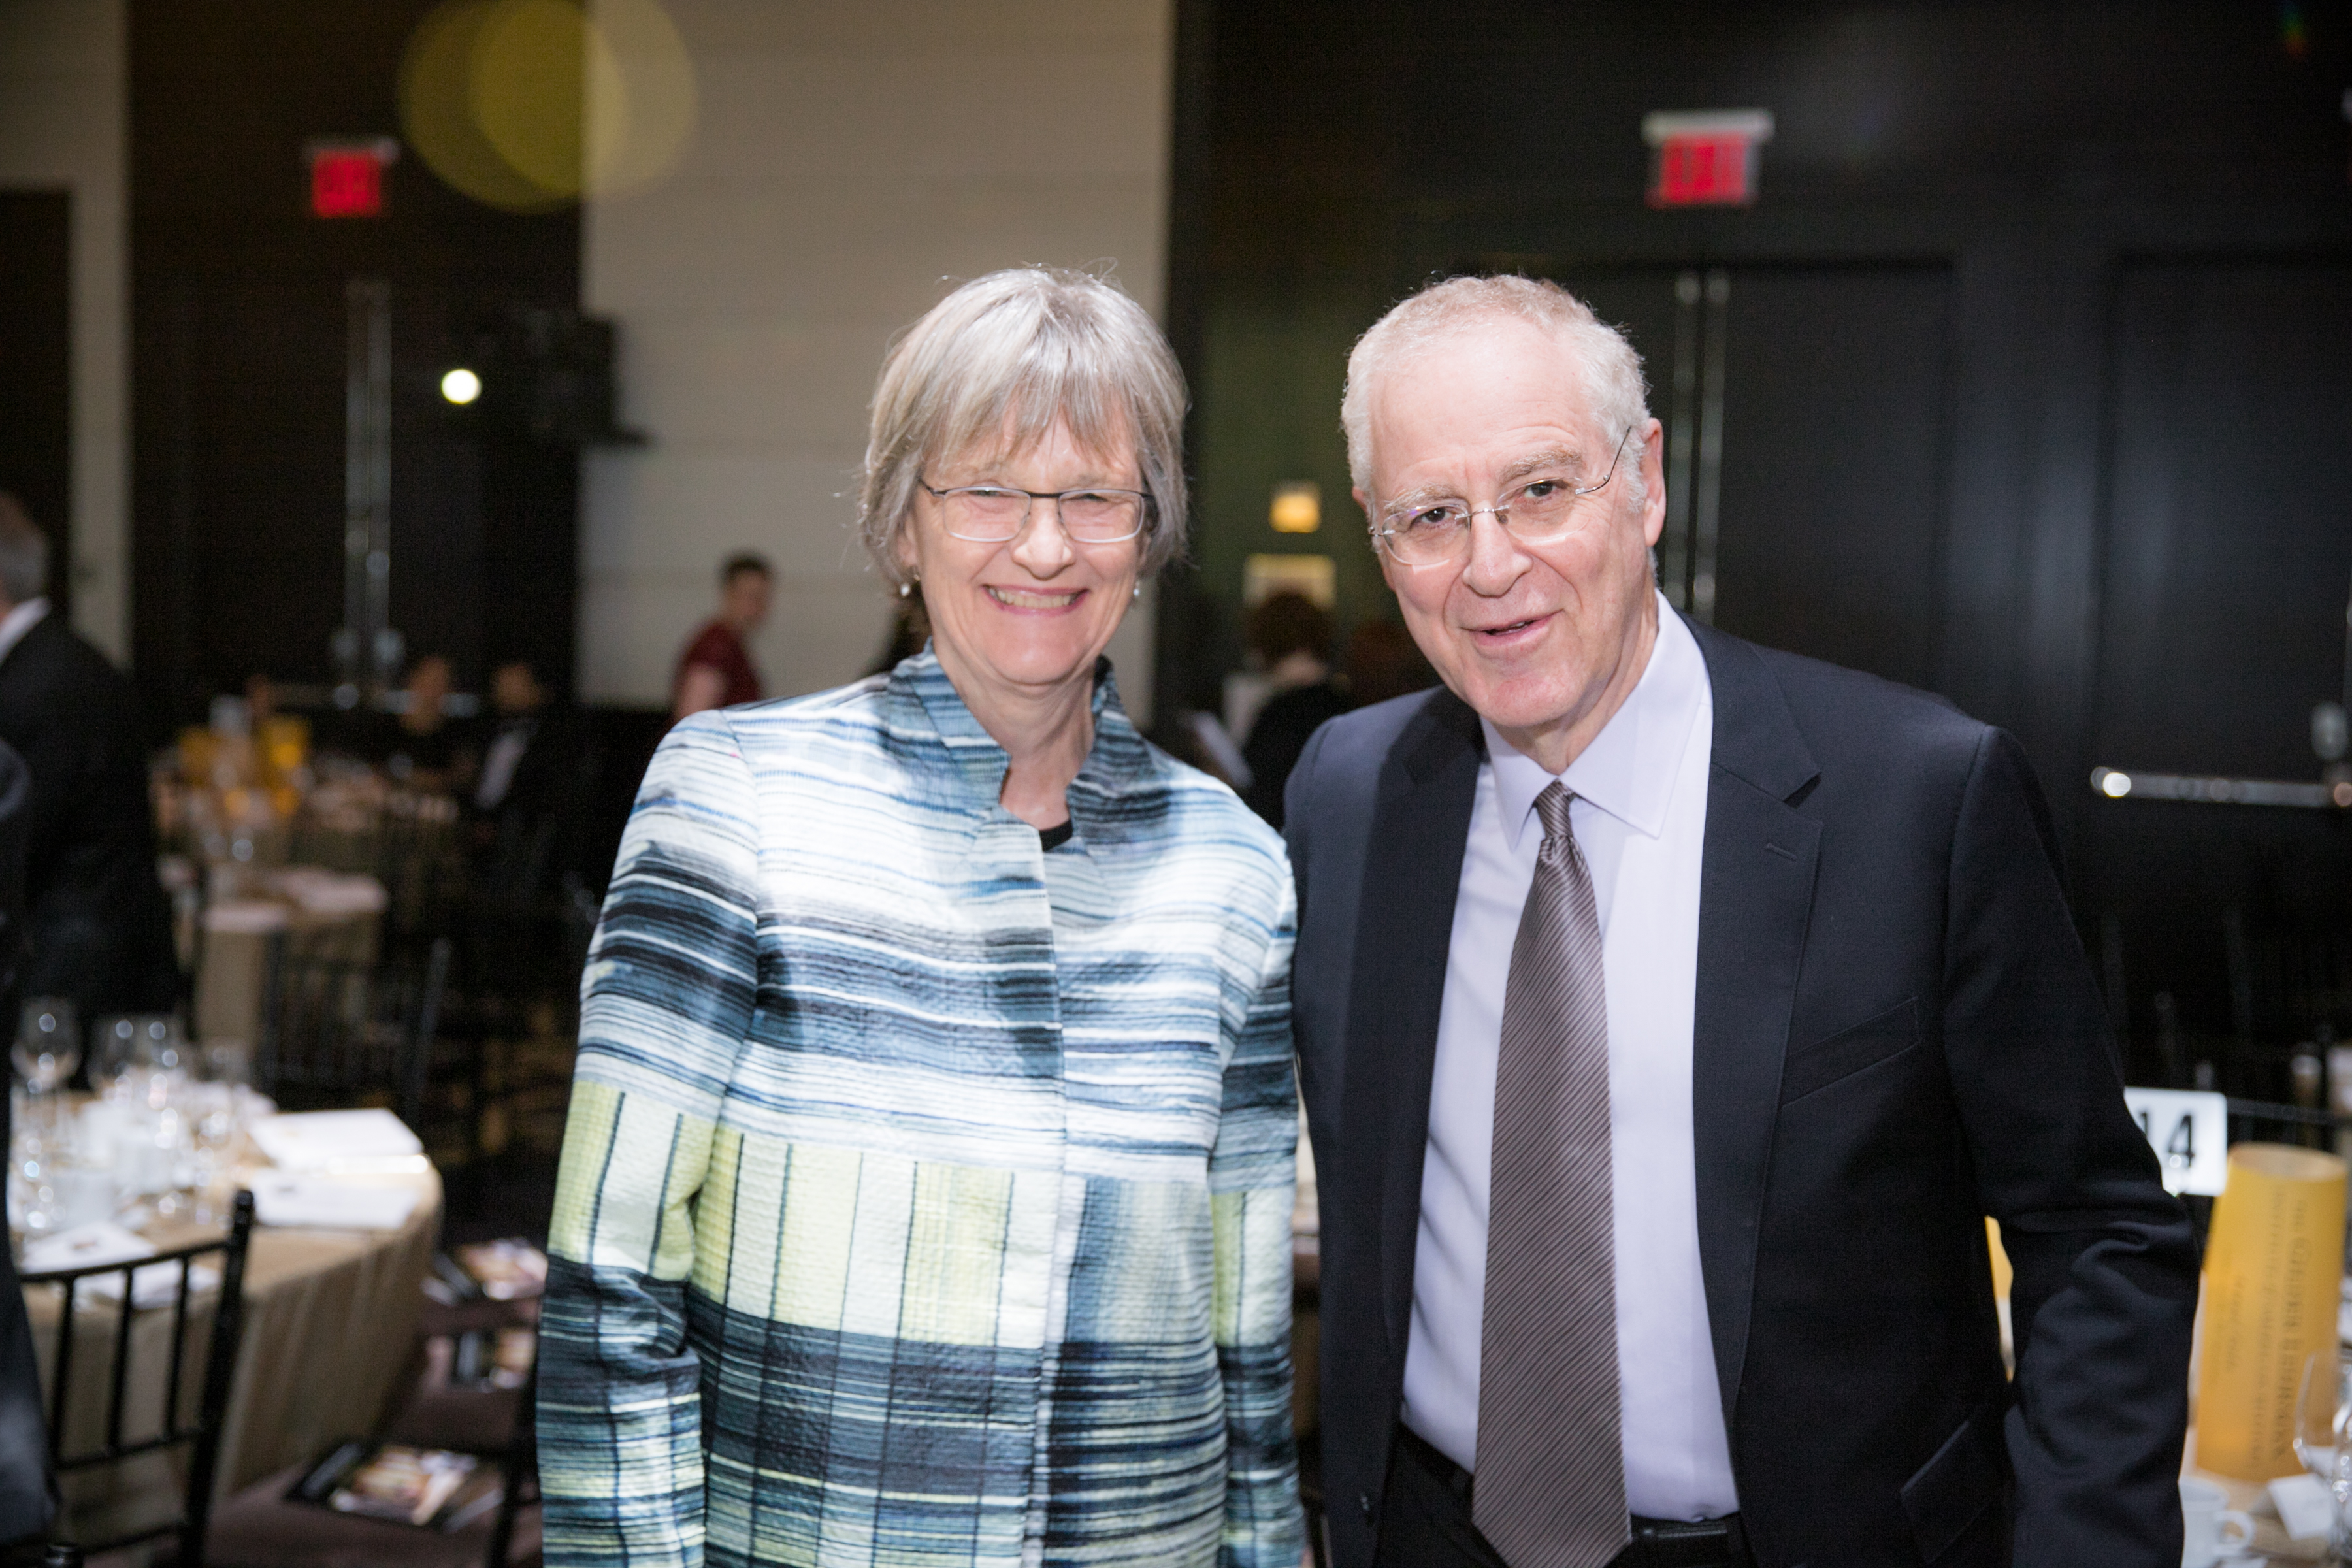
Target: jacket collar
961 764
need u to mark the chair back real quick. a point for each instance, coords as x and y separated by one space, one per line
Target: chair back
335 1030
418 861
82 1303
520 1465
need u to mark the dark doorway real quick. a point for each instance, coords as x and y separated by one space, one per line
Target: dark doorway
2227 573
36 392
1806 415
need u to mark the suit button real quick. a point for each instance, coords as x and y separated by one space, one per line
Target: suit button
1364 1504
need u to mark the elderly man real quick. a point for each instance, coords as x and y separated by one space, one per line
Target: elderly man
1671 1012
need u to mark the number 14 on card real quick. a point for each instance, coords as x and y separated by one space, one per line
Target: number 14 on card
2190 1131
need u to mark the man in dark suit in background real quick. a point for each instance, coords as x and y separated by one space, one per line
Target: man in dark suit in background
1671 1012
25 1500
99 923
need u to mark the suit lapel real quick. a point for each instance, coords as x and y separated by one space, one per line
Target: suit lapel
1420 823
1755 898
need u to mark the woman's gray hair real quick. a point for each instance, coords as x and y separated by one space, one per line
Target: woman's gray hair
1613 371
1014 353
24 553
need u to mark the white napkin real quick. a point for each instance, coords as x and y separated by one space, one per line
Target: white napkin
322 1202
106 1242
246 917
324 892
325 1140
2305 1506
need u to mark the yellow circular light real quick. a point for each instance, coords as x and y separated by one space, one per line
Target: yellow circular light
526 85
436 111
461 385
525 105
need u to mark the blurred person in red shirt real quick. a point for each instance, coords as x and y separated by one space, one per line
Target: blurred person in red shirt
716 669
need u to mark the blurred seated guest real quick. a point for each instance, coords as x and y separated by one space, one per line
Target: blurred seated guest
260 701
97 918
420 745
1384 661
716 669
524 802
1292 638
927 1192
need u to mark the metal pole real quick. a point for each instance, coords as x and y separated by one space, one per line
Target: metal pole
367 649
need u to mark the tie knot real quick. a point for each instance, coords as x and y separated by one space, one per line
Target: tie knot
1552 810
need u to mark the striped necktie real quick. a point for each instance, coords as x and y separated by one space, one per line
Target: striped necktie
1550 1489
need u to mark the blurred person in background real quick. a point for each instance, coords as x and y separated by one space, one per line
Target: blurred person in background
716 669
97 919
927 1190
1384 661
526 804
1292 637
25 1500
420 745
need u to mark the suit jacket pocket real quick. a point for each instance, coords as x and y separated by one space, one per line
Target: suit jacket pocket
1967 1475
1849 1051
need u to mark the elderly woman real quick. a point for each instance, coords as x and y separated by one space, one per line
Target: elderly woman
926 1197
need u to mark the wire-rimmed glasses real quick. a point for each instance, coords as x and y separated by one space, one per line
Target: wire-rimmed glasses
1535 510
991 514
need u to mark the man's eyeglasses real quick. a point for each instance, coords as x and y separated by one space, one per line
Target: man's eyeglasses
1535 510
991 514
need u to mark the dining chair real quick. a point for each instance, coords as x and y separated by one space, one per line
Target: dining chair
336 1030
106 1303
263 1527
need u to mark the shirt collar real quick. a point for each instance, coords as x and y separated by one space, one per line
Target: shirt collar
20 620
1629 769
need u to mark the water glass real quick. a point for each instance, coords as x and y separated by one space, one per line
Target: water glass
2323 1403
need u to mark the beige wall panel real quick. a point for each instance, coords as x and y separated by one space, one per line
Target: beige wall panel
63 119
848 165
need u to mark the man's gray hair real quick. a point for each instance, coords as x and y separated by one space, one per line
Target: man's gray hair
1613 371
1011 354
24 553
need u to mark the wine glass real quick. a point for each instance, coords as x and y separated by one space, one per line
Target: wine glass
113 1052
47 1049
2322 1402
49 1044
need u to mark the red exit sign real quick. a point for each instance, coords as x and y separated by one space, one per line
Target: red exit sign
347 176
1705 159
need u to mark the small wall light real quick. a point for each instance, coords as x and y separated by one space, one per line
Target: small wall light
461 385
1297 507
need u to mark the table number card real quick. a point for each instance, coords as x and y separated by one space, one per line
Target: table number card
2190 1131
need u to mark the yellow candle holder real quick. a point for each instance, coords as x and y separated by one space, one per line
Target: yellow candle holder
2273 1267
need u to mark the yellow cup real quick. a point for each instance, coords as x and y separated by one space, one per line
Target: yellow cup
2273 1264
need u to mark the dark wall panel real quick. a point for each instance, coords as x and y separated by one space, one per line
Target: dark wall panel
2229 560
1833 443
239 364
2035 384
37 370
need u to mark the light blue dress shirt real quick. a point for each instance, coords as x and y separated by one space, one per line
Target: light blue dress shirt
1640 818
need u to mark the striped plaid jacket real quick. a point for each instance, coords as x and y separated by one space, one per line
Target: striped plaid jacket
926 1196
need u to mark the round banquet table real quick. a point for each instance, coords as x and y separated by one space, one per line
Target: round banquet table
330 1331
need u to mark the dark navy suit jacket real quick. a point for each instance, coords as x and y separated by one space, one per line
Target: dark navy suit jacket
1897 1035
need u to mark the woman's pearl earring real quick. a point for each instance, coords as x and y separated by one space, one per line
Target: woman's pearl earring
905 589
1139 592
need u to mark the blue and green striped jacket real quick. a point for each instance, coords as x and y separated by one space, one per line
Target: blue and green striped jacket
926 1198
